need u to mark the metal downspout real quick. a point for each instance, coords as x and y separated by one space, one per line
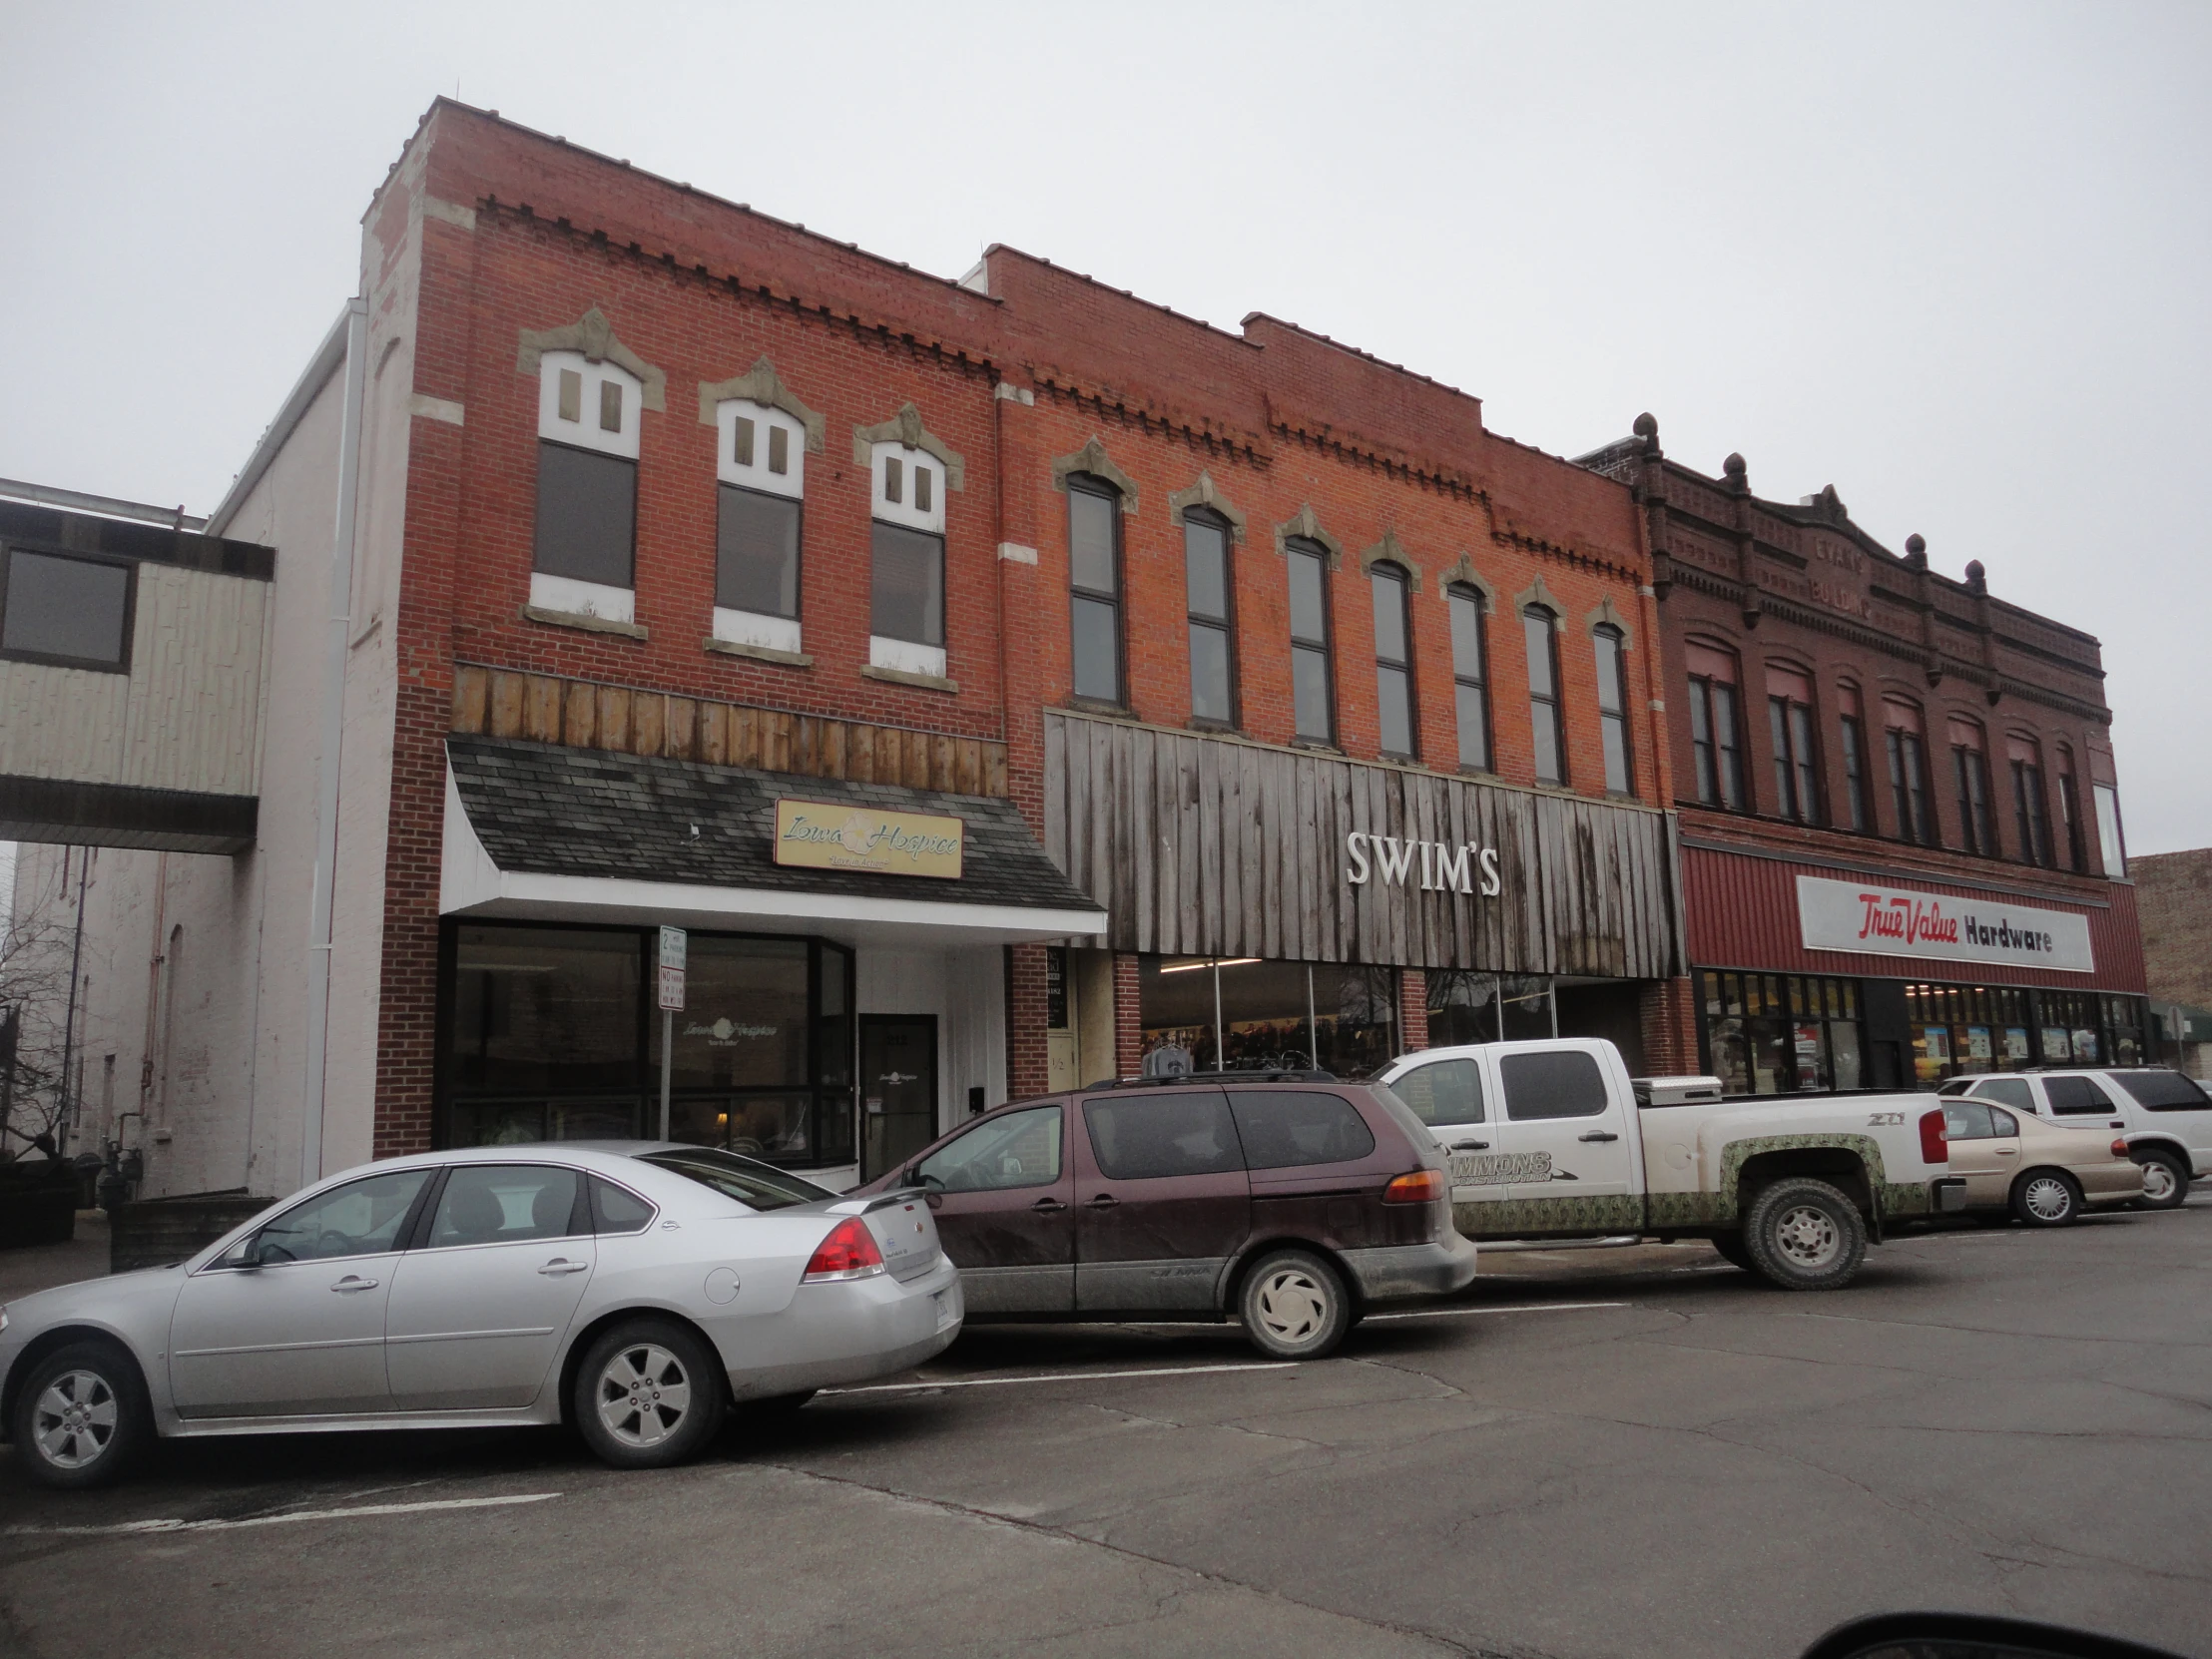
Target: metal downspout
334 732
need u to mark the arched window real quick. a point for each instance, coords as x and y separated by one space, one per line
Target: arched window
1716 730
1905 739
1394 660
1539 628
2030 806
1612 703
1209 590
1094 587
584 558
906 600
1470 676
1313 695
1970 767
761 466
1796 767
1851 726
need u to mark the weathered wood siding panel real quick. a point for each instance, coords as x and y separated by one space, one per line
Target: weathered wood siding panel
1199 847
186 717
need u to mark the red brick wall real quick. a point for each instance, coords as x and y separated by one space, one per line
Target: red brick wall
1413 1011
1027 1065
1667 1012
1127 1032
701 289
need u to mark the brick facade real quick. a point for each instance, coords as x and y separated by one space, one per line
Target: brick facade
2174 891
517 233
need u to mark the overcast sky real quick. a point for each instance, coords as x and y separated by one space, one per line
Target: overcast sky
1954 259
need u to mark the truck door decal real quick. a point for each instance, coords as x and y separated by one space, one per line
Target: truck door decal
1499 1169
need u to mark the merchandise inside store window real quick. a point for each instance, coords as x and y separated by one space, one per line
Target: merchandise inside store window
1205 1013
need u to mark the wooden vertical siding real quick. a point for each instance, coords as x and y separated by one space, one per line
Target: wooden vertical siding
1203 847
186 717
586 714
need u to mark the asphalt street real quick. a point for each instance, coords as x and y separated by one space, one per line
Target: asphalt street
1640 1454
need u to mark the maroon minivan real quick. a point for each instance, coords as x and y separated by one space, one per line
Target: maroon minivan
1291 1200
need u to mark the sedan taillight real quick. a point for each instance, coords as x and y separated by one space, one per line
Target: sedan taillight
1935 1149
850 1251
1424 1186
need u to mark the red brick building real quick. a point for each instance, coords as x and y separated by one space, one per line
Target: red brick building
1004 681
1899 819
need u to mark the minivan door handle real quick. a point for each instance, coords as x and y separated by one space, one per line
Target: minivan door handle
1471 1146
1598 1134
1048 1206
1104 1200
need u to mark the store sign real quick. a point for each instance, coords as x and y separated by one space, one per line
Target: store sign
823 835
1433 867
1939 928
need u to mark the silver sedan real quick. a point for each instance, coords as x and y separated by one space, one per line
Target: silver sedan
632 1289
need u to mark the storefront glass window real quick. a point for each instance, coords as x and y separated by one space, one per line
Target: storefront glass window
1462 1007
1525 1001
1277 1015
1783 1033
550 1035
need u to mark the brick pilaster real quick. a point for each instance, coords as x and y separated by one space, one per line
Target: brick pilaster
1128 1034
1413 1011
1028 1068
1668 1013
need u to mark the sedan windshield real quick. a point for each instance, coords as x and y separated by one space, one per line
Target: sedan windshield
757 1185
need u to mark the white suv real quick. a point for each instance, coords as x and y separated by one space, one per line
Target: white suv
2165 1117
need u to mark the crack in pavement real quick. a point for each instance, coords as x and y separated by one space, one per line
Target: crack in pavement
989 1518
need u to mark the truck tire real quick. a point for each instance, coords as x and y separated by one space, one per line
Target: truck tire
2165 1181
2047 1198
1803 1235
1732 1250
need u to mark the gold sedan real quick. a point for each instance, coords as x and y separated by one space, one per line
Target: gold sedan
2043 1173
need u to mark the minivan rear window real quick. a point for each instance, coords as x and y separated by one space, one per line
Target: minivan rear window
2163 1091
1564 1083
1287 1128
755 1184
1175 1132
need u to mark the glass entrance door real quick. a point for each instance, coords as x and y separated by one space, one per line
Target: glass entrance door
898 1089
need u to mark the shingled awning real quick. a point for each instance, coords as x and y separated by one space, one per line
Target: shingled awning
539 831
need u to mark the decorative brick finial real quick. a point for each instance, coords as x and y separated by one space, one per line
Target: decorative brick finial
1977 579
1915 551
1733 468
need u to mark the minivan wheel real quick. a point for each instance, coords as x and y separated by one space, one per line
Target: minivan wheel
82 1418
649 1395
1294 1305
2047 1198
1805 1234
2165 1181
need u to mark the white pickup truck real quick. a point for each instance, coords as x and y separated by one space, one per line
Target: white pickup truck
1555 1140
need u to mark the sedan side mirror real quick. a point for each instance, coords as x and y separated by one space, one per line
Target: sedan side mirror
244 1255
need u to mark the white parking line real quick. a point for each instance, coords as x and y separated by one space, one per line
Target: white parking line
125 1529
1061 1376
1462 1313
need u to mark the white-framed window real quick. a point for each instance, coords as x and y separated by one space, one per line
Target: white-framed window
760 474
584 558
906 593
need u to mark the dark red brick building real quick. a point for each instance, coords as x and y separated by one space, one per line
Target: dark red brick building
1899 819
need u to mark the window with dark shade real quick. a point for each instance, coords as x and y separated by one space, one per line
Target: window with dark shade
75 613
1546 727
1907 773
1852 729
1715 744
1208 596
1612 706
587 515
2030 806
1394 661
1790 731
1313 699
907 595
1094 581
1471 677
2070 812
757 551
1970 767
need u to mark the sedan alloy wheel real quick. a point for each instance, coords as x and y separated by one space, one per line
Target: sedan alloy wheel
73 1419
649 1394
643 1394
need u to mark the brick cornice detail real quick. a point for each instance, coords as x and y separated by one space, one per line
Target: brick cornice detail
1093 459
594 336
761 384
